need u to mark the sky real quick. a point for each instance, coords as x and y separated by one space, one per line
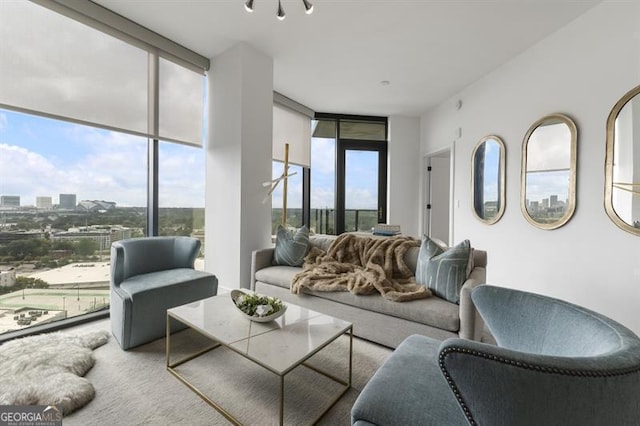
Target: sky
45 157
491 170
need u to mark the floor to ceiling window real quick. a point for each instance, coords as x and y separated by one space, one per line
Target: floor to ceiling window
100 140
68 192
348 187
181 193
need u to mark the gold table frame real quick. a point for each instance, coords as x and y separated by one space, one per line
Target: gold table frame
172 365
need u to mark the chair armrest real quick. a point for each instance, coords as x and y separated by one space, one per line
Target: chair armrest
260 259
117 264
471 323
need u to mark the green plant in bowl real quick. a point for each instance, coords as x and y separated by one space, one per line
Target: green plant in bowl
258 307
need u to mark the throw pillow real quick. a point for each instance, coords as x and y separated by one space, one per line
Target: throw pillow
443 271
291 247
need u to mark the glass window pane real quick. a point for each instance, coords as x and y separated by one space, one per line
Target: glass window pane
181 100
323 181
363 130
294 197
361 190
78 189
180 194
54 65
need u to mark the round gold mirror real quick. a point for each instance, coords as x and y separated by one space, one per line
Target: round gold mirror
622 164
549 152
488 179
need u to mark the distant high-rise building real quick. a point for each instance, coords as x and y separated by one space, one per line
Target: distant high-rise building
9 201
44 203
553 200
67 202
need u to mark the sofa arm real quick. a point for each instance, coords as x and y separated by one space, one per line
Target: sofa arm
471 323
260 259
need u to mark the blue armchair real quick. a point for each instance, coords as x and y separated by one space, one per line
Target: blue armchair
555 363
148 276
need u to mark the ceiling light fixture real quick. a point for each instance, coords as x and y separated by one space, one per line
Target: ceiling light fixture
281 15
308 8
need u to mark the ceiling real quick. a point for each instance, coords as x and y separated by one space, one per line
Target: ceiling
336 59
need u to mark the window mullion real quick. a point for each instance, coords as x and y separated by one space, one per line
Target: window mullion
153 163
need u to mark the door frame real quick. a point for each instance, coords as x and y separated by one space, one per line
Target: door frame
342 147
426 214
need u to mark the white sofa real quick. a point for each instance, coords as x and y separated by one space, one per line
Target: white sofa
375 318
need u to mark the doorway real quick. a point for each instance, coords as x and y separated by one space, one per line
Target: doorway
438 196
361 185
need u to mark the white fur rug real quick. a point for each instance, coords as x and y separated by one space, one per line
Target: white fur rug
47 369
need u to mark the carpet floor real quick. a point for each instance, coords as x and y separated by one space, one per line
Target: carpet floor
134 387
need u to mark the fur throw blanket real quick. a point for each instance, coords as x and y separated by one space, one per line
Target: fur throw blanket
47 369
362 265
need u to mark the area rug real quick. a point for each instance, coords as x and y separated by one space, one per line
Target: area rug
48 369
134 387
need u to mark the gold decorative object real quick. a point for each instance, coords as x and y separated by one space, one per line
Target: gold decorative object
622 163
488 211
548 179
282 178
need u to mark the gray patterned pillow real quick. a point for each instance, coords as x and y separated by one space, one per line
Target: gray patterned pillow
443 271
291 247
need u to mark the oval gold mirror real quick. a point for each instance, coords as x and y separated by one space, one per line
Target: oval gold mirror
549 152
488 179
622 164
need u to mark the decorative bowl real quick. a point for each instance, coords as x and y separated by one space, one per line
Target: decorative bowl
269 301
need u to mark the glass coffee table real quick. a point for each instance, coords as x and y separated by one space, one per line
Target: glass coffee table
279 346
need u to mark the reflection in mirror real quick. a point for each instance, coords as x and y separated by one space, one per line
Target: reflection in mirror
487 179
549 171
622 166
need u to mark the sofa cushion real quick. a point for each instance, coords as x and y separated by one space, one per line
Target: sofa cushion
147 283
277 275
409 389
432 311
291 247
322 241
444 271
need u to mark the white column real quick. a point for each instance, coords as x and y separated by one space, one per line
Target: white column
240 125
403 203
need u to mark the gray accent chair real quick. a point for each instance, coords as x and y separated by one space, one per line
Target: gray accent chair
555 363
148 276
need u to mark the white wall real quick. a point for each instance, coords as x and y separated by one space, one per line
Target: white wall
403 170
581 70
238 161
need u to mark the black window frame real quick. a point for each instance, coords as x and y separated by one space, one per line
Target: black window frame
342 145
